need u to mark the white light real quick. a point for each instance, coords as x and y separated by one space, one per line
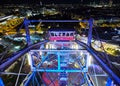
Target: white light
71 46
89 60
81 53
53 46
47 46
76 46
40 53
29 59
17 47
50 46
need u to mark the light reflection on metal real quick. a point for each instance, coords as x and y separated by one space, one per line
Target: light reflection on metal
90 60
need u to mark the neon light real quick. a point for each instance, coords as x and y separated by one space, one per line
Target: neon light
47 46
58 61
1 82
62 38
109 82
57 71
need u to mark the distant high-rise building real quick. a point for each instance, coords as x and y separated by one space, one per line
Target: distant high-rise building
101 2
40 3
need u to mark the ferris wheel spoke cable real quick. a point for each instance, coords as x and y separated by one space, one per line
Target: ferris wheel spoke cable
20 70
53 81
13 73
21 26
103 47
90 79
81 66
96 80
4 54
41 62
49 78
37 81
76 77
41 78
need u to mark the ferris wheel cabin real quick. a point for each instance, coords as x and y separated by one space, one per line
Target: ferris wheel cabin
60 34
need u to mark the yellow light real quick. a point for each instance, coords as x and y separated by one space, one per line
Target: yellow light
76 65
76 46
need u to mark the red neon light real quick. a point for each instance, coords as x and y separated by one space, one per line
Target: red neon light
62 38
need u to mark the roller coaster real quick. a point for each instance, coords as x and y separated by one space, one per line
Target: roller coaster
64 60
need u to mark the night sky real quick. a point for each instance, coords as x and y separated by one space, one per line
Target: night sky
52 1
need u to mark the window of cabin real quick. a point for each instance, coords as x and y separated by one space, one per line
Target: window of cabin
67 34
63 34
52 34
56 34
71 34
60 34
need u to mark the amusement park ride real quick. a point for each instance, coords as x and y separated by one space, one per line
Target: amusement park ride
63 60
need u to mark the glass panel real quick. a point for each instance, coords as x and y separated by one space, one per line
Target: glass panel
71 34
67 34
63 34
52 34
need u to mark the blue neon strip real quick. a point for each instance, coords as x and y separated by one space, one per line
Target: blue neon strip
53 70
1 82
58 61
43 59
29 78
61 51
109 82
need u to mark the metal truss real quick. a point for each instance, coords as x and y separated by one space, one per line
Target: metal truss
59 60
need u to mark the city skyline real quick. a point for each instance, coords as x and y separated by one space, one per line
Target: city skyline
55 1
